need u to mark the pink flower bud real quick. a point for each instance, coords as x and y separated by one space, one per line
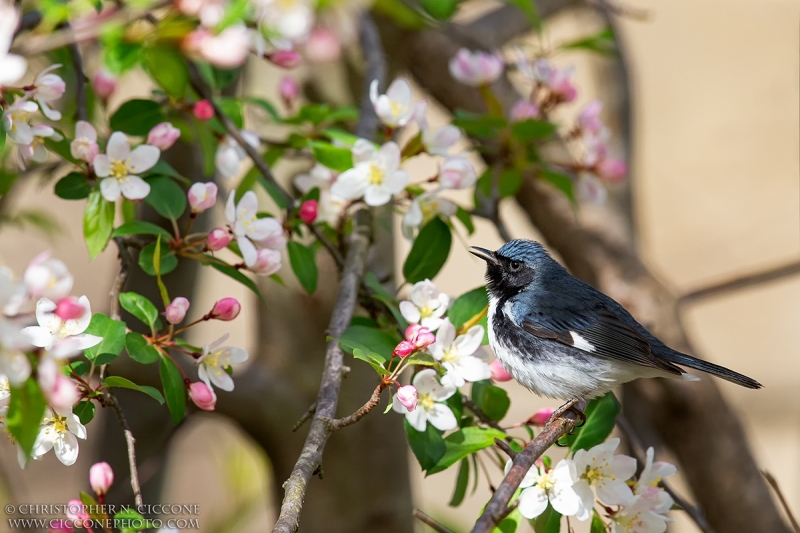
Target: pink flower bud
308 211
457 173
284 58
76 511
498 372
203 396
69 308
101 477
611 170
323 46
404 349
267 262
226 309
163 136
524 110
203 110
176 311
476 69
63 394
541 416
202 196
104 83
218 239
288 90
407 396
420 336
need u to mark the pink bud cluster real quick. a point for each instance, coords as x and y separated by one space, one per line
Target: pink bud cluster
176 311
417 338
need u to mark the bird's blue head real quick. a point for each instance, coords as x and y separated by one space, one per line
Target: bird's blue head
514 266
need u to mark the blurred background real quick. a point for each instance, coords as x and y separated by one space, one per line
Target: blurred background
716 194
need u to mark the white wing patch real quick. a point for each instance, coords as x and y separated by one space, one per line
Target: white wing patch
581 343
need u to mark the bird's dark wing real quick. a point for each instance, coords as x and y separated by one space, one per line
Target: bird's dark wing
590 327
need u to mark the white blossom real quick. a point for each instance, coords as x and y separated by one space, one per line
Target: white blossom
439 141
61 338
393 108
120 167
248 227
16 120
215 360
286 19
430 395
330 206
376 175
647 484
457 354
423 209
229 156
637 517
600 469
48 87
12 66
59 432
543 486
427 305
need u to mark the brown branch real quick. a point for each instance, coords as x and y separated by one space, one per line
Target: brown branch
498 507
306 416
200 86
80 83
483 417
125 262
773 483
372 403
430 522
130 442
503 445
740 282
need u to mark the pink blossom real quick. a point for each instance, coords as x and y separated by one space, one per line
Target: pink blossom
101 477
203 110
104 83
60 391
308 211
476 69
524 110
404 349
499 373
284 58
226 309
267 262
202 196
288 90
228 49
84 146
76 511
589 117
202 395
323 46
541 416
48 87
420 336
218 239
163 136
559 81
176 311
611 170
68 308
407 396
457 173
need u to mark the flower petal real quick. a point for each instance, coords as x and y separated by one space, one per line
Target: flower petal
410 312
109 188
118 148
377 196
532 502
351 184
134 188
102 166
441 417
66 449
144 157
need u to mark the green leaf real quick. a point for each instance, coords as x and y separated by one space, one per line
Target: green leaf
73 186
238 276
529 8
598 526
166 197
479 125
548 522
510 182
532 129
429 252
162 289
98 221
137 117
467 306
368 338
428 446
400 13
492 400
117 381
84 410
167 68
266 106
341 136
140 227
25 412
604 42
375 360
113 333
465 218
561 182
304 265
510 523
462 480
233 109
601 415
139 306
333 157
422 358
174 389
464 442
168 259
440 9
139 349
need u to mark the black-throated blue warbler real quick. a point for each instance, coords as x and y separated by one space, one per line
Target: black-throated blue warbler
564 339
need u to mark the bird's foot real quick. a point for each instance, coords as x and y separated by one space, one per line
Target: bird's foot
569 406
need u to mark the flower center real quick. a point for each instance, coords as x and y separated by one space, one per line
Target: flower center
426 311
425 401
57 423
245 219
593 475
375 175
450 355
397 108
119 168
546 482
218 361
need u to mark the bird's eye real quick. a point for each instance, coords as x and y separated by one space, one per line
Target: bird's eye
514 266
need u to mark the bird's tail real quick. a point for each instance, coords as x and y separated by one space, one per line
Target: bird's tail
711 368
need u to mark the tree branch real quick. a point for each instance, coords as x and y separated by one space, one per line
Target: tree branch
372 403
740 282
430 522
130 442
80 83
125 262
498 508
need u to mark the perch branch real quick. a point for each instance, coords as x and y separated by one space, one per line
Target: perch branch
430 522
130 442
372 403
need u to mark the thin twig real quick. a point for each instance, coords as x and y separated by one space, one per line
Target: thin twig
130 441
483 417
742 282
372 403
503 445
430 522
80 85
306 416
772 482
498 507
125 262
694 512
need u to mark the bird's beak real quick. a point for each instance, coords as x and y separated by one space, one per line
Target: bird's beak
483 253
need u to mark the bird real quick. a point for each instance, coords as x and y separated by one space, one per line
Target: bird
561 338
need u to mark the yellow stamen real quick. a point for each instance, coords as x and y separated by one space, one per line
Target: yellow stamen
375 175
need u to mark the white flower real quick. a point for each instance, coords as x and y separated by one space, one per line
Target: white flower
429 409
230 155
84 146
59 433
215 360
35 150
330 206
457 173
120 166
62 338
393 108
267 262
248 228
553 485
647 484
439 141
427 305
376 175
47 277
456 354
424 208
607 473
637 517
287 19
12 66
16 120
5 391
47 88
